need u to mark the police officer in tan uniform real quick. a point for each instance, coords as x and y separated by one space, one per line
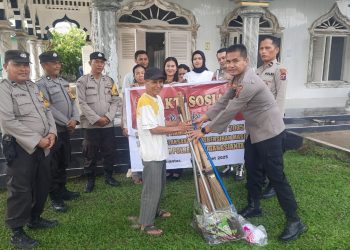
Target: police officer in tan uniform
29 132
97 94
275 77
263 147
59 96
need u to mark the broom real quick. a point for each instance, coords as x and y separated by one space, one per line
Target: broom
219 198
203 187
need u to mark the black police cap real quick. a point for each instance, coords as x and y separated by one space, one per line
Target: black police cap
18 56
49 56
97 55
154 74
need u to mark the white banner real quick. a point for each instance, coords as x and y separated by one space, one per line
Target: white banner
225 149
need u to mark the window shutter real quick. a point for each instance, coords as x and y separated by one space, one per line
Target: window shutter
346 64
179 46
140 40
126 51
127 43
319 43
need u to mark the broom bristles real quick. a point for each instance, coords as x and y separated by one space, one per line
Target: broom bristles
204 195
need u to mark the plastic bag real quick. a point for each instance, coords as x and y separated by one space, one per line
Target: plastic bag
253 234
219 226
226 225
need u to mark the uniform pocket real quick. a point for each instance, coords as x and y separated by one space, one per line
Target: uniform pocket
55 94
91 95
24 105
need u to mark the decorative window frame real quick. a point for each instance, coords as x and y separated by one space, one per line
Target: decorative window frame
154 24
316 32
225 29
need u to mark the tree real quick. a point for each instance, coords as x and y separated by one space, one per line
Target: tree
68 46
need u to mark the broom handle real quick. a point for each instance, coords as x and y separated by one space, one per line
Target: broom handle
185 107
215 170
200 172
202 177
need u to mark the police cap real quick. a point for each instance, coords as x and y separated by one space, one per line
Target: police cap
18 56
154 74
97 55
49 56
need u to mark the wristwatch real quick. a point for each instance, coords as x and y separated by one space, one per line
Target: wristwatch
203 131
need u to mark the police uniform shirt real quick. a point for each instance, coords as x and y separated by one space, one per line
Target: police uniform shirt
97 98
256 102
62 104
23 114
275 77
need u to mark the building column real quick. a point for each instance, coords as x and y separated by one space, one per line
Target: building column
103 33
21 38
251 16
40 48
34 58
5 42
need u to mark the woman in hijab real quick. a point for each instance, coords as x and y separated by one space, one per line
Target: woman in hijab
200 73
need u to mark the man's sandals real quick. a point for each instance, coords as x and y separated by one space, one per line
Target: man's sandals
163 214
151 230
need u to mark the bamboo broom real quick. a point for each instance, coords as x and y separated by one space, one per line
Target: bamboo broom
219 198
203 187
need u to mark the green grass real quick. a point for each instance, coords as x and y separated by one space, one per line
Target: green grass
321 182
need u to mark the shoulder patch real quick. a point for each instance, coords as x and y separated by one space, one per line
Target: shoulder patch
283 74
46 102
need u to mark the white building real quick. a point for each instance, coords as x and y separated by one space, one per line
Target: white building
315 45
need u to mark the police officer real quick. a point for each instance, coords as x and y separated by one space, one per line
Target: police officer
263 147
59 96
275 77
29 132
97 94
220 74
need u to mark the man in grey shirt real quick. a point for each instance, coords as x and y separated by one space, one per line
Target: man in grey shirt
58 94
275 77
29 132
97 94
263 146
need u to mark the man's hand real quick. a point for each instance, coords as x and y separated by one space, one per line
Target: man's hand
125 132
103 121
52 139
199 122
71 124
44 143
185 126
195 135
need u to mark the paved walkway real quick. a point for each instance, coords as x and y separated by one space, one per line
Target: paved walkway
337 138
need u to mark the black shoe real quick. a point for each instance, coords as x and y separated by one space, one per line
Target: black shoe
111 181
41 223
269 192
20 239
228 171
69 195
250 211
292 231
90 185
239 176
59 206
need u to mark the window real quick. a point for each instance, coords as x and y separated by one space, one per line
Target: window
153 12
330 50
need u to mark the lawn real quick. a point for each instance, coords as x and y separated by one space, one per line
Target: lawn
319 177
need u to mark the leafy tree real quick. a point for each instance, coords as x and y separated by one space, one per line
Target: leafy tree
68 46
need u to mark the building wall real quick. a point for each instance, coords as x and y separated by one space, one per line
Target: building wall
294 16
